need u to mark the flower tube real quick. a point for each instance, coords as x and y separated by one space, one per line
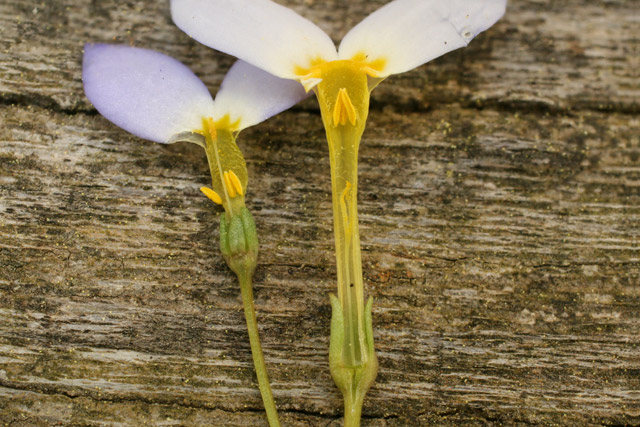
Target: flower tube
398 37
155 97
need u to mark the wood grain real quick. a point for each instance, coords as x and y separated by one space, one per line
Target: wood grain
499 207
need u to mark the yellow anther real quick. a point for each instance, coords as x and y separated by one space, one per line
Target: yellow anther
346 192
228 185
343 109
235 182
232 183
215 197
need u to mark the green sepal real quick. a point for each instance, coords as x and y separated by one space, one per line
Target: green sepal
224 236
250 232
353 382
236 239
239 241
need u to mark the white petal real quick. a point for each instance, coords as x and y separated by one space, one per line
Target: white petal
144 92
260 32
253 95
408 33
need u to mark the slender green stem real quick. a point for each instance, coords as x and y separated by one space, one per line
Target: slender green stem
246 287
352 410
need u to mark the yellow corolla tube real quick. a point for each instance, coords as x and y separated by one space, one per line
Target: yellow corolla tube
343 95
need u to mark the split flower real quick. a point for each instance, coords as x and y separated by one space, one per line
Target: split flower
398 37
158 98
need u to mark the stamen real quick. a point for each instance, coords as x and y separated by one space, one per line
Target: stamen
343 109
235 182
215 197
347 221
229 185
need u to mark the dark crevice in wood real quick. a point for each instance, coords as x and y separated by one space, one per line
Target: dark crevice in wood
511 106
632 263
178 402
28 100
53 391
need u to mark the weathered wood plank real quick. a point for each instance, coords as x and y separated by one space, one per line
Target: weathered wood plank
499 237
494 259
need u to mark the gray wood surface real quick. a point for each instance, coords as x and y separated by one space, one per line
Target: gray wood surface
499 203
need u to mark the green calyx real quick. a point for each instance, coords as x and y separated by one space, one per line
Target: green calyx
353 381
239 241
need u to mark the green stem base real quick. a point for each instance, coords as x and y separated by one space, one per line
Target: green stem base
353 381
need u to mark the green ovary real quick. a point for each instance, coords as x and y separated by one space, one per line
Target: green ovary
343 95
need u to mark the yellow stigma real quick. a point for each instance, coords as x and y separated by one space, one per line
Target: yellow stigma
215 197
344 109
232 183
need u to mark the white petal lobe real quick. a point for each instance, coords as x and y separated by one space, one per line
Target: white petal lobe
260 32
253 95
408 33
144 92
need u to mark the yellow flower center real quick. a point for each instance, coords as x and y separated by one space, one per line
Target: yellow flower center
319 69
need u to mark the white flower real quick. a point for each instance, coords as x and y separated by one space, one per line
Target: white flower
396 38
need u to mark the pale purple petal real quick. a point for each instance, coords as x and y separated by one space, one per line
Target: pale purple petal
144 92
253 95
